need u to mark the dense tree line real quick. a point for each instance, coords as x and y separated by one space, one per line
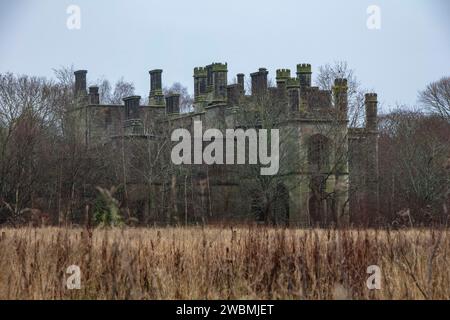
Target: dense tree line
43 169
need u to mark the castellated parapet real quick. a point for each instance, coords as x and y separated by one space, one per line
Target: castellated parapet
304 72
283 74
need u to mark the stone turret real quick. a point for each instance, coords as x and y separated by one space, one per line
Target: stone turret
200 81
156 96
80 83
283 75
304 74
340 96
219 81
259 82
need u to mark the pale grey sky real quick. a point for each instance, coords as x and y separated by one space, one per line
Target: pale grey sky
128 38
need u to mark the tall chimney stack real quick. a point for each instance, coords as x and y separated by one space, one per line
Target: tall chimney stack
371 104
133 123
94 97
259 82
234 94
240 81
132 107
80 83
173 104
156 96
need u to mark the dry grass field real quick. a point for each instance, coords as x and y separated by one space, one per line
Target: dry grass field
214 263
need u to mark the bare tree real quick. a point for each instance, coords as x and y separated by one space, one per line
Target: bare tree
436 97
414 152
341 70
64 76
30 124
121 90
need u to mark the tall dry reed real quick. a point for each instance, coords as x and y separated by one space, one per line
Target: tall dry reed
214 263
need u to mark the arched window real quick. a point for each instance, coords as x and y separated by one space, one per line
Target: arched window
318 152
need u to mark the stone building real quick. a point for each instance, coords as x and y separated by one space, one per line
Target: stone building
328 172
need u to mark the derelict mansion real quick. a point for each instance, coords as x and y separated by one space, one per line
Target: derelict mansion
334 174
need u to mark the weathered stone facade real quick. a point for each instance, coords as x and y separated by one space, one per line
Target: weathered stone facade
331 176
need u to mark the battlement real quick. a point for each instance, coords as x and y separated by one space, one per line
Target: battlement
292 83
304 74
200 72
219 67
340 82
303 68
371 97
340 87
283 74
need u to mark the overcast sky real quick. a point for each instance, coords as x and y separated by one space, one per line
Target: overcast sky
128 38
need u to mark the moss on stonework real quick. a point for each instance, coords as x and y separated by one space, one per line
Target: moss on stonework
217 67
200 72
304 68
201 98
293 83
156 92
283 74
330 184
